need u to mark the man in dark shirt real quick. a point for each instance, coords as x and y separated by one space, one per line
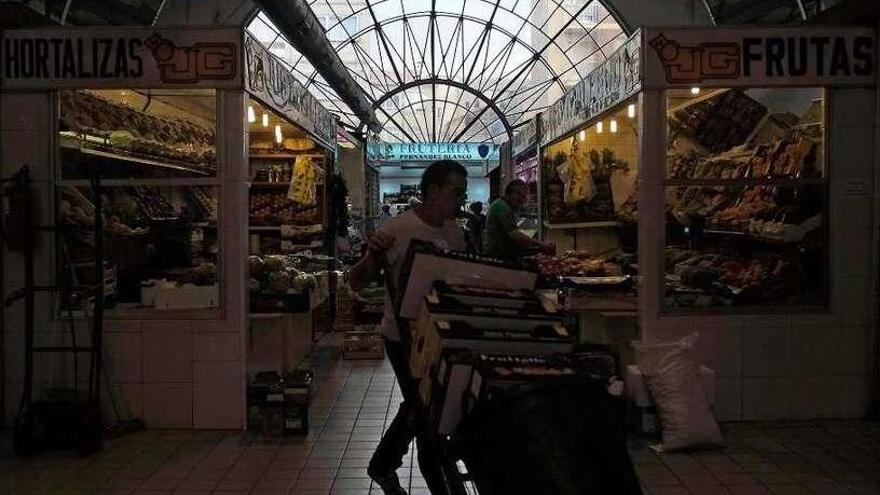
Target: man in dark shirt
476 223
502 237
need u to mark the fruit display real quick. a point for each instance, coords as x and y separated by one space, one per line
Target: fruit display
791 157
204 203
278 274
720 122
731 277
152 202
128 130
577 264
304 184
274 208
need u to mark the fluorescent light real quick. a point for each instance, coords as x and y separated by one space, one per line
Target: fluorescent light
252 117
599 127
265 119
582 135
613 125
695 90
278 136
631 111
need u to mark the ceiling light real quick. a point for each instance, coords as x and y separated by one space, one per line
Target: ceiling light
599 127
631 111
252 117
279 138
582 135
613 125
265 119
695 90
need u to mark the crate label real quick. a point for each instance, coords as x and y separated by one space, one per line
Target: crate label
274 397
296 390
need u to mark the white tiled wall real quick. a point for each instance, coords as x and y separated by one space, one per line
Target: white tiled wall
798 365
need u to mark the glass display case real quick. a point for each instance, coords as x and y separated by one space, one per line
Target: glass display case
154 154
746 198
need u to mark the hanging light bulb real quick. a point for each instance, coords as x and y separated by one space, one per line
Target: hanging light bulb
582 135
252 117
599 127
278 136
613 125
265 120
631 111
695 90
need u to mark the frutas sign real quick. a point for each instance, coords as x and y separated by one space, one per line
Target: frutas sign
759 57
120 57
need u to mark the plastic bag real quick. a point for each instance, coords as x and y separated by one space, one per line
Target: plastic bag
673 377
303 183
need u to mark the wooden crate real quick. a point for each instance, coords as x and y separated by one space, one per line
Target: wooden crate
363 345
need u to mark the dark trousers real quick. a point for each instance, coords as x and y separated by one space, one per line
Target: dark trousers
407 424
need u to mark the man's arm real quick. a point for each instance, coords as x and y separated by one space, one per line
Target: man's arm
369 268
527 242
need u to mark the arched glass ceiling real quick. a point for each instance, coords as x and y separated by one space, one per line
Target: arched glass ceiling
455 70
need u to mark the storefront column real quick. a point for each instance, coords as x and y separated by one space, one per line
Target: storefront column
652 167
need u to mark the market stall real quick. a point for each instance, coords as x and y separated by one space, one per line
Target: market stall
718 144
185 128
524 159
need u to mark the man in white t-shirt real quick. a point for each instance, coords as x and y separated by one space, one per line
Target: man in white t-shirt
444 189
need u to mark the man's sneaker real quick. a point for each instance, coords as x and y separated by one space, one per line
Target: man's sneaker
389 483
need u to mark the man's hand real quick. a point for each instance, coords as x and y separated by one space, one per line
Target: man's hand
378 243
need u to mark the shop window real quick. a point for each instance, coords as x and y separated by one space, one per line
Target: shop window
155 157
746 199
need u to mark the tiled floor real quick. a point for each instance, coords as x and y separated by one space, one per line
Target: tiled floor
355 400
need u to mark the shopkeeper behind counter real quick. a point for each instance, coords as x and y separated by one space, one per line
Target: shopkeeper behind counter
502 238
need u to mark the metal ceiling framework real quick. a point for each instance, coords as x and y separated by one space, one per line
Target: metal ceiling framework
456 70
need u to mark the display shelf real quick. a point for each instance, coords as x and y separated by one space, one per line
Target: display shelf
141 182
581 225
754 237
265 316
265 228
769 181
282 156
134 159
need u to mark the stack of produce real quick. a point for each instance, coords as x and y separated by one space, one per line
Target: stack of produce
277 274
722 122
152 202
577 264
133 131
273 208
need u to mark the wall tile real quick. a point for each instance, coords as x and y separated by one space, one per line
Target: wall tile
167 352
721 349
852 256
215 346
218 400
815 351
128 399
124 356
728 399
214 326
854 300
854 396
766 399
765 321
815 398
765 352
855 351
168 405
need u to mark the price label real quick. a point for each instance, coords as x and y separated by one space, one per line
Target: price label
197 235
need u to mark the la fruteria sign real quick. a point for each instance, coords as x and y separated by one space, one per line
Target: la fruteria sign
429 152
686 57
120 57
